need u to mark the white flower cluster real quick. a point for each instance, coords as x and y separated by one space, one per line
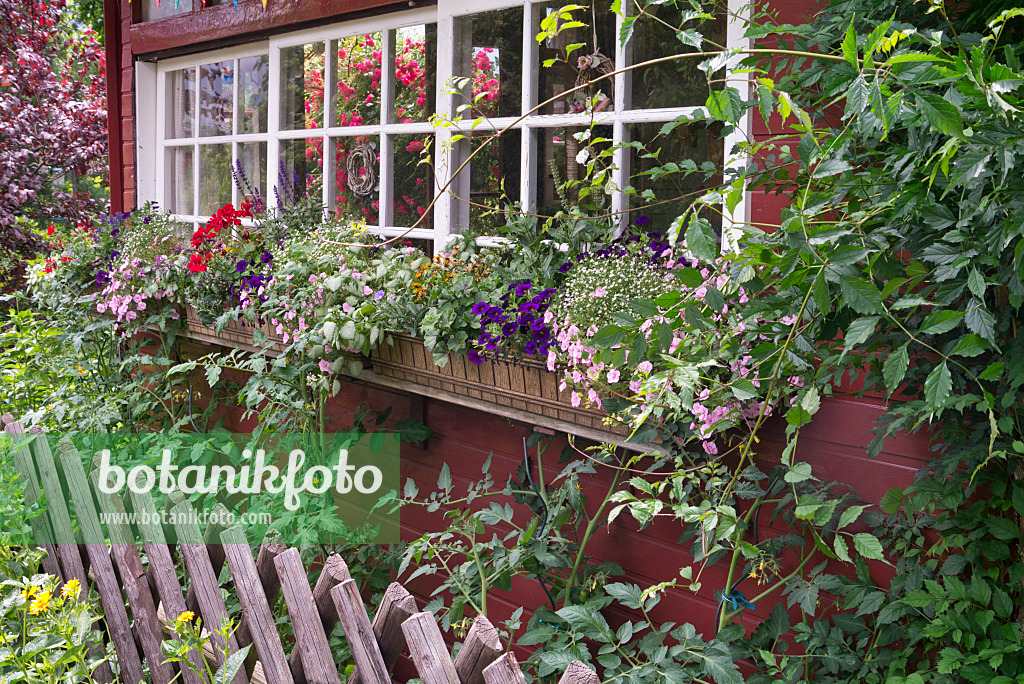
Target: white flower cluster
601 285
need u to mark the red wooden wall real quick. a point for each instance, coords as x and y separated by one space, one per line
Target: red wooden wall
834 444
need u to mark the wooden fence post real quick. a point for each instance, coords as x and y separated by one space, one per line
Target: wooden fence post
40 525
359 632
258 617
335 572
428 650
162 571
504 670
204 581
311 641
128 660
396 607
481 648
579 673
136 586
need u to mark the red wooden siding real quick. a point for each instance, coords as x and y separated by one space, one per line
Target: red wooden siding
834 443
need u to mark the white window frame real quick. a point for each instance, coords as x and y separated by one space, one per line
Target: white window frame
151 94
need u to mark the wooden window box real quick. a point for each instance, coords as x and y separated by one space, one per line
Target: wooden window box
526 386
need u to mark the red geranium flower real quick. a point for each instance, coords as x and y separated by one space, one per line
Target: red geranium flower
197 263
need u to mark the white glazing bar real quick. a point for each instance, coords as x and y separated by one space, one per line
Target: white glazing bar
620 156
443 152
734 222
528 175
273 126
330 91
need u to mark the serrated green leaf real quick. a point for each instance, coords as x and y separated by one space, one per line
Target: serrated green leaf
940 113
868 546
937 386
895 367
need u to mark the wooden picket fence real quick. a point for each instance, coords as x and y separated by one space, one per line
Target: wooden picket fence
155 597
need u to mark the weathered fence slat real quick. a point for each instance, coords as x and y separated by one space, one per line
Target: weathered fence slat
579 673
266 573
128 660
481 648
504 670
428 650
311 641
359 633
204 581
258 617
40 524
136 586
161 569
397 606
335 571
270 549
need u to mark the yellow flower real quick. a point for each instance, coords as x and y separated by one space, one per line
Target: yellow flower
40 603
70 589
186 616
29 592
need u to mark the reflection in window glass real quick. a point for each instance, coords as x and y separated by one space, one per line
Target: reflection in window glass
413 180
558 170
698 143
253 179
302 86
302 169
357 179
357 101
180 180
415 72
155 9
494 178
214 177
678 83
489 51
216 98
583 64
181 92
253 87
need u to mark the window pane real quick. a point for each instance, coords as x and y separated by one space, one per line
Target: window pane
415 72
253 89
179 175
413 181
489 50
216 98
494 178
302 170
302 86
669 84
584 64
700 144
357 179
181 92
214 177
252 180
357 101
558 169
155 9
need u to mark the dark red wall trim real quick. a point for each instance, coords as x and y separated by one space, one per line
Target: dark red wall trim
112 49
223 24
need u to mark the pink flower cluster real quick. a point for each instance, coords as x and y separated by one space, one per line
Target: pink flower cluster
132 285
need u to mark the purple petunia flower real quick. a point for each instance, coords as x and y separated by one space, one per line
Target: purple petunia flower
530 348
480 308
565 268
522 289
508 329
529 307
114 232
641 221
267 256
241 266
494 312
474 357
